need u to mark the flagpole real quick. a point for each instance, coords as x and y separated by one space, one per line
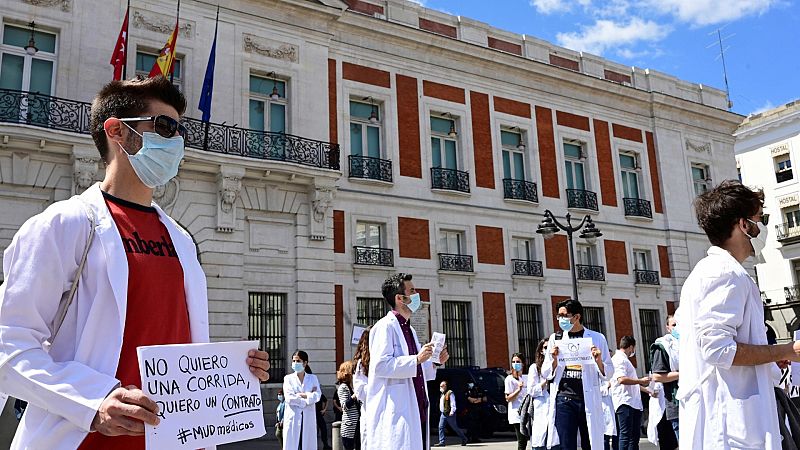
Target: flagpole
125 64
177 30
208 122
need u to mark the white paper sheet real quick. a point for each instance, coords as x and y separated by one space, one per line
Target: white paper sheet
438 345
574 351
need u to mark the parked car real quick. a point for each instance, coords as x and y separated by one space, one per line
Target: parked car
490 380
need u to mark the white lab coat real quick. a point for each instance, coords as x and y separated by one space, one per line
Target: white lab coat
541 407
65 387
656 408
360 391
592 398
723 406
300 416
609 413
392 411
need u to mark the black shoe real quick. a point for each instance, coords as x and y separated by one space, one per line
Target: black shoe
464 443
440 444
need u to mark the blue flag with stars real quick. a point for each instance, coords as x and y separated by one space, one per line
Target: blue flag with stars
208 81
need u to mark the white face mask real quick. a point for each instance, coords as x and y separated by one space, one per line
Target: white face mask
158 160
758 242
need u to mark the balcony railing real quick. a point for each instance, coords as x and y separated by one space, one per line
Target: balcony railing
581 199
792 293
70 115
520 190
449 179
455 263
527 267
786 232
637 207
647 277
371 256
591 273
783 175
370 168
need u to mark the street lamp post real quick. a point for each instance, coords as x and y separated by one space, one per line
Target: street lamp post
550 226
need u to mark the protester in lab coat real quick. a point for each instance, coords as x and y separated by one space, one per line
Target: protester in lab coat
537 389
610 440
397 398
141 285
727 368
514 392
361 361
664 365
575 401
302 391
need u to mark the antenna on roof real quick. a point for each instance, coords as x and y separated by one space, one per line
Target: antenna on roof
721 56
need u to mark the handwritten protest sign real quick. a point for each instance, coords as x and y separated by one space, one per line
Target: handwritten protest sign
574 351
205 393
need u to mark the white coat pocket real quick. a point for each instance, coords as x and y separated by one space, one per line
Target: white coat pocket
743 422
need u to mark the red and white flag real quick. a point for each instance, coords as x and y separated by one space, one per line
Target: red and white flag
120 55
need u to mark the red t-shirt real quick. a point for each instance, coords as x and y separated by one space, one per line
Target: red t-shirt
156 311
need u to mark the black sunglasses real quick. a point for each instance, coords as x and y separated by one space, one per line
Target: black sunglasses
164 125
764 219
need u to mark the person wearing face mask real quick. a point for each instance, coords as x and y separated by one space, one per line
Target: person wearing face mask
93 277
727 367
302 391
664 365
397 397
514 386
476 412
279 411
626 396
447 407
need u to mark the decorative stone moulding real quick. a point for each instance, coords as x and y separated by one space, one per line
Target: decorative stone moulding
84 173
157 23
699 147
321 199
66 5
165 195
270 48
229 183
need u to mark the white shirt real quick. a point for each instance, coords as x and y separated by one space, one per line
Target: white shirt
624 394
511 386
452 403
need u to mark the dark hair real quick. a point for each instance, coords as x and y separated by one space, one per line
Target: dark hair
540 355
719 209
393 286
522 358
362 353
303 356
573 307
122 99
626 342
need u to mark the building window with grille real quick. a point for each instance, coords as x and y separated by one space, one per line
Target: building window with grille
457 325
20 71
146 60
266 323
701 178
444 146
365 129
594 319
369 310
529 328
629 166
267 104
574 157
513 155
369 234
783 168
651 329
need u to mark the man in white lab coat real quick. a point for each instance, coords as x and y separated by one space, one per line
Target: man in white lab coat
727 369
397 396
141 285
575 401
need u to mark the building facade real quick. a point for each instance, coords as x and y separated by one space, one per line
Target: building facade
351 140
765 147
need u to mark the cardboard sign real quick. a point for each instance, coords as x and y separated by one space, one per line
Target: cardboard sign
358 330
574 351
438 345
206 394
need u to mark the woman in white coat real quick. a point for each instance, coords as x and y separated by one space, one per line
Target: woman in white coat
302 391
537 389
361 360
515 391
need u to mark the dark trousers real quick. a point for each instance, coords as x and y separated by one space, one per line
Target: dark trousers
522 440
323 430
353 443
570 419
475 422
629 424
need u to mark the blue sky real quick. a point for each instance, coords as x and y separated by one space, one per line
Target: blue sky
760 36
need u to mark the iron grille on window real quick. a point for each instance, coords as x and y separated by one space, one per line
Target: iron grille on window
370 168
581 199
520 190
266 322
528 268
457 325
449 179
651 330
594 319
455 263
792 293
529 329
637 207
592 273
646 277
370 310
372 256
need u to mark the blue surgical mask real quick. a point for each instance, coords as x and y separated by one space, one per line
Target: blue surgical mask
416 302
565 323
675 333
280 398
297 367
517 366
157 161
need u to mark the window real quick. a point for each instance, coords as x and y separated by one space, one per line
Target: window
267 113
369 234
641 260
629 166
369 310
451 242
513 155
651 330
365 129
30 73
586 255
457 325
522 248
145 62
594 319
444 146
574 156
267 323
783 168
701 178
529 329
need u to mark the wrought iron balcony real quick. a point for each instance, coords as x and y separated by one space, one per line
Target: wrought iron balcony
792 293
520 190
56 113
455 263
372 256
591 273
449 179
787 232
370 168
647 277
783 175
637 207
527 267
581 199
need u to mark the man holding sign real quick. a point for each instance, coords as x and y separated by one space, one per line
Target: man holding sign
578 363
139 283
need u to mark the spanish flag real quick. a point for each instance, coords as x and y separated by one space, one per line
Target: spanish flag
166 57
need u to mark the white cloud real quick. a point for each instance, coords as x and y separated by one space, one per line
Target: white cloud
550 6
765 107
709 12
606 34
